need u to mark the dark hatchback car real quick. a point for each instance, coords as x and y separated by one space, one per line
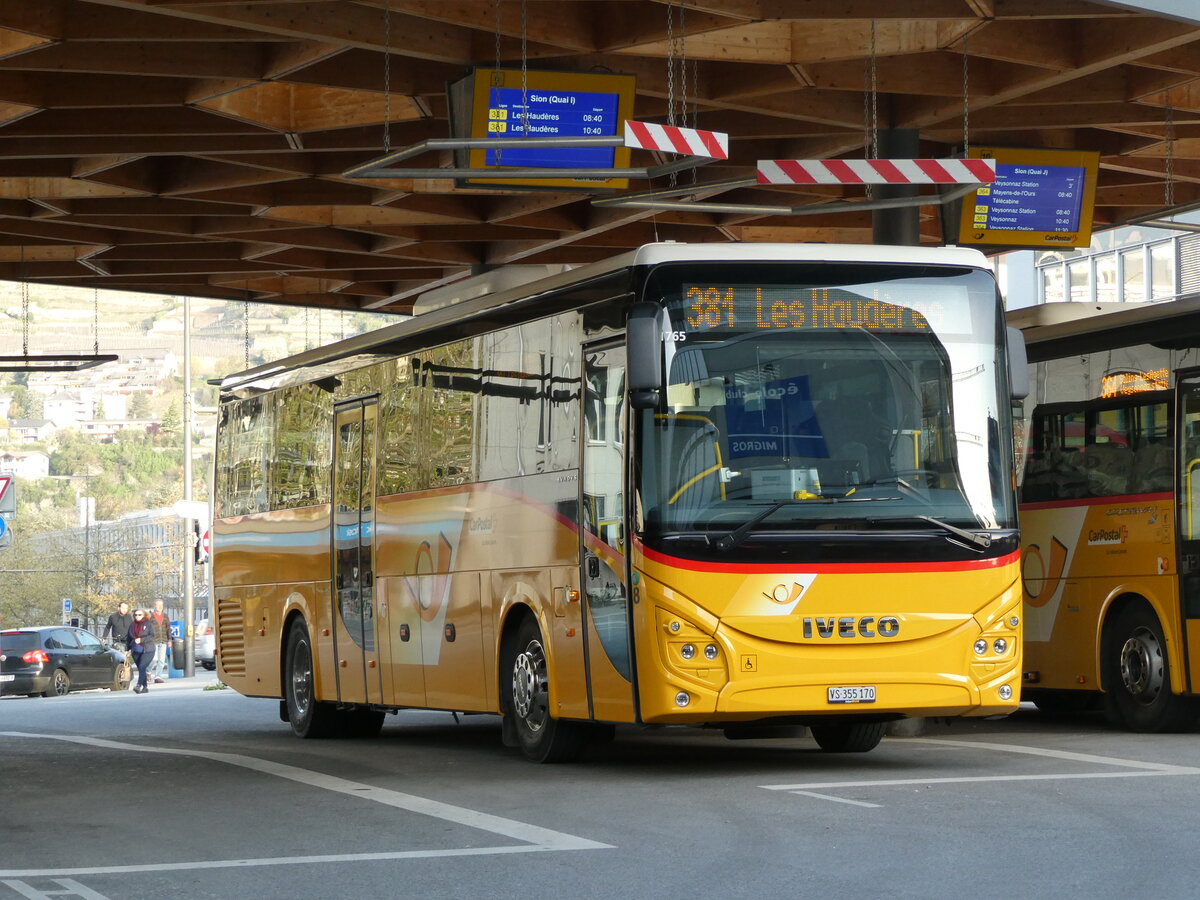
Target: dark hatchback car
57 659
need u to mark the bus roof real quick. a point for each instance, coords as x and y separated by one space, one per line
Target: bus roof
589 283
1053 330
654 254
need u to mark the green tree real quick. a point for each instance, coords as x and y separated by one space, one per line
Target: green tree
26 404
172 419
43 564
139 406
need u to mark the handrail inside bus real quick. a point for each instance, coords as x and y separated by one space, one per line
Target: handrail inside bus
1187 492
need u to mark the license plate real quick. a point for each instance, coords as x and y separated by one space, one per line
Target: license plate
8 677
858 694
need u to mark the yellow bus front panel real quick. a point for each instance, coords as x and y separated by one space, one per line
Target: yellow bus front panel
783 639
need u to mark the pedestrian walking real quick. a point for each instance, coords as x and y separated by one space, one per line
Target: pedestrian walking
142 640
162 627
117 630
118 625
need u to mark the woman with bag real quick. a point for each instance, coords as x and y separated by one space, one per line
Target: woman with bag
141 641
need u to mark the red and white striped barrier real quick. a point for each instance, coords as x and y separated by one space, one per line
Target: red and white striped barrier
650 136
876 171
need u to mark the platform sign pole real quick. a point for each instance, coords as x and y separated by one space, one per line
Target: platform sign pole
189 556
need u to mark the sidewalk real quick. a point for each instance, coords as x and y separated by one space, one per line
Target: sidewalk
202 679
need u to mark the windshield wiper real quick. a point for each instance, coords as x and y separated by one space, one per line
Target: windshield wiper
738 534
973 540
735 537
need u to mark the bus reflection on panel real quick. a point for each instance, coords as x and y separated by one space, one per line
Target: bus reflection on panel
742 486
1110 512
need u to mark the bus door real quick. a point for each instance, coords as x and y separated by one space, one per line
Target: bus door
1187 515
605 546
359 674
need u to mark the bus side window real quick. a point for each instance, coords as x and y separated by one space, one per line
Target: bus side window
1153 468
1108 469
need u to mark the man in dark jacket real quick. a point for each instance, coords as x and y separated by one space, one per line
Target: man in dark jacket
118 625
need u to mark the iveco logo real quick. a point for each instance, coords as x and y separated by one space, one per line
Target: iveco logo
851 626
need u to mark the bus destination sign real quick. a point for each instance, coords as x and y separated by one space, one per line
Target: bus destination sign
1040 198
745 307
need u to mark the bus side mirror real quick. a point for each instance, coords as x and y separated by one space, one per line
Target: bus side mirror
644 350
1018 364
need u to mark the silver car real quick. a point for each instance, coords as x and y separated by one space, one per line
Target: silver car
205 645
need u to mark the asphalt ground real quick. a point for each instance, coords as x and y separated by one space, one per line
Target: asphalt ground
198 792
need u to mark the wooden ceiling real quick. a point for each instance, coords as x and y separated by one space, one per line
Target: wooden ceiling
196 147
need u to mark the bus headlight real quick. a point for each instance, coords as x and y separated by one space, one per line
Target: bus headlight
710 652
687 651
1006 692
1000 645
682 699
981 646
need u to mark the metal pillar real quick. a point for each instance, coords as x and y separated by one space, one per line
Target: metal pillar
189 556
900 226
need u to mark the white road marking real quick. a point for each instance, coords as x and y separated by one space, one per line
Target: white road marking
1137 769
837 799
535 837
70 889
1158 768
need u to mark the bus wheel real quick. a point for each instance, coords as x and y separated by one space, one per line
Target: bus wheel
308 717
1137 677
541 737
852 737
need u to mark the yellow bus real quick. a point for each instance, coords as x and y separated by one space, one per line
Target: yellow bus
1110 511
752 487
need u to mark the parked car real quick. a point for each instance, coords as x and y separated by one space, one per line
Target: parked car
205 645
57 659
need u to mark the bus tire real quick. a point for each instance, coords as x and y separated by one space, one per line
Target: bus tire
849 737
1137 677
308 717
526 701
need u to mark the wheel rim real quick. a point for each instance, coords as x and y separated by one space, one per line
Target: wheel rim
1142 669
301 678
60 682
529 686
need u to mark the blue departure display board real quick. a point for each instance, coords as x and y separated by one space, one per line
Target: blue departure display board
1032 198
551 114
534 103
1040 198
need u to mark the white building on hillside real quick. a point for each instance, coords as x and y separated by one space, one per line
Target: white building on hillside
25 465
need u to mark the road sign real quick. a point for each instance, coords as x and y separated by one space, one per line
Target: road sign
8 494
3 526
6 536
206 543
66 604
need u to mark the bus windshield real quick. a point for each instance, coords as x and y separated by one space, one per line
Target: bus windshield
866 399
